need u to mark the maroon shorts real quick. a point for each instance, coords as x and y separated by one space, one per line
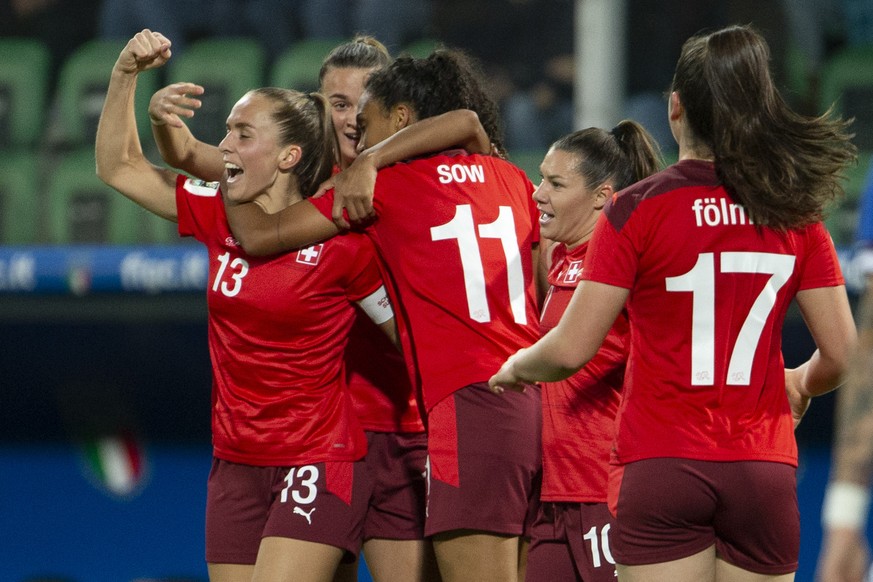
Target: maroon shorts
323 503
396 462
570 541
484 455
668 508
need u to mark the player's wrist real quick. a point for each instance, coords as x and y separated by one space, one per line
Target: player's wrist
845 505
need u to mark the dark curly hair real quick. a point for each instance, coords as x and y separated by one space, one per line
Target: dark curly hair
444 81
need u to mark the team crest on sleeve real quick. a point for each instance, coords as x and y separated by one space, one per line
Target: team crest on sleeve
201 187
310 255
572 272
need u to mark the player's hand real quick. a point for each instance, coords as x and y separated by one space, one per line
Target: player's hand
146 50
845 556
168 105
506 378
799 402
354 189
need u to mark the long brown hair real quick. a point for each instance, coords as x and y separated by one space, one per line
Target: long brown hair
783 167
624 155
304 119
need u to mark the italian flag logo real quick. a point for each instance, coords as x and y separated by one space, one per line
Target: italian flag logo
117 462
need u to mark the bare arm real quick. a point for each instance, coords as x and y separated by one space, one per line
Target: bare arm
120 160
176 144
355 185
845 552
828 316
260 233
570 345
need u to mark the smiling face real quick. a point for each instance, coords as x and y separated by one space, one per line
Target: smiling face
343 87
568 206
375 124
252 154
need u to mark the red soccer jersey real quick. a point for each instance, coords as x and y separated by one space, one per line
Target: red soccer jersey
708 297
455 232
579 412
278 328
382 394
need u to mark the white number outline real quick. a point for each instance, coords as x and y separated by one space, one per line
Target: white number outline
462 228
308 482
700 281
240 267
591 536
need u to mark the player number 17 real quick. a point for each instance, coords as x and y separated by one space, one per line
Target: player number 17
700 281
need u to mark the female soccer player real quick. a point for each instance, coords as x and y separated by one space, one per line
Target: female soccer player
580 174
385 403
288 490
455 232
707 255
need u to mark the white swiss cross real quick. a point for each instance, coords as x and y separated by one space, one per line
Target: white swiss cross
310 255
574 269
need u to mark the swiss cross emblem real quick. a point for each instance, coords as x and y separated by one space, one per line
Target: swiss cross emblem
574 269
310 255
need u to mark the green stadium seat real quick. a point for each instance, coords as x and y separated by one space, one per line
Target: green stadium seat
421 48
847 81
25 69
20 207
227 68
82 209
81 90
298 66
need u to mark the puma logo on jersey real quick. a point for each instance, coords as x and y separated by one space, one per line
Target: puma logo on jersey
308 516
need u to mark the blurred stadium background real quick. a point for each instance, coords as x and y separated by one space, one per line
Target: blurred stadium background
104 371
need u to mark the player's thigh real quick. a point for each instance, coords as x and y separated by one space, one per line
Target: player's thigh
291 559
230 572
725 572
699 567
472 556
401 560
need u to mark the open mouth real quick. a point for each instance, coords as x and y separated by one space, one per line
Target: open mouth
546 218
233 171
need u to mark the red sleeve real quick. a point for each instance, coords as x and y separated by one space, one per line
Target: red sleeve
324 204
363 273
821 265
611 257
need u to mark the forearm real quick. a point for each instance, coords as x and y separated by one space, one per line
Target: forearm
853 450
459 128
578 336
180 149
117 145
260 233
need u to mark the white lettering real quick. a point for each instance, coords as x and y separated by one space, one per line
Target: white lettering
460 173
139 272
716 212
